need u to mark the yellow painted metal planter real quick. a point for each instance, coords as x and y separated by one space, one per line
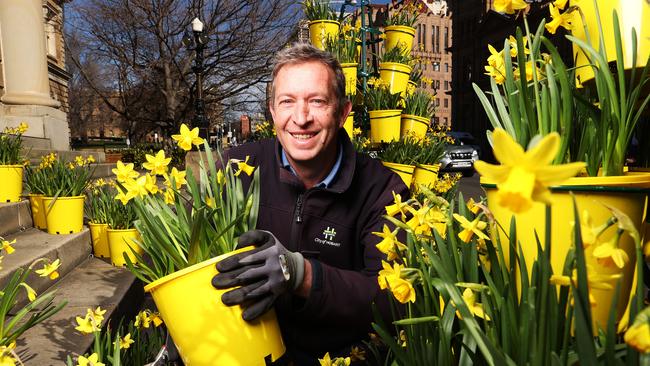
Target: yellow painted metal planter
404 171
38 211
350 72
399 35
396 75
320 30
121 241
631 14
415 125
385 125
426 175
65 215
627 193
207 332
99 236
349 125
11 188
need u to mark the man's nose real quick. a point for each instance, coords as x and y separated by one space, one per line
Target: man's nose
302 113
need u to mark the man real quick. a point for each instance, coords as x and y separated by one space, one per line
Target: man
316 258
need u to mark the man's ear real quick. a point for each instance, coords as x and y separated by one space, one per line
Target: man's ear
347 108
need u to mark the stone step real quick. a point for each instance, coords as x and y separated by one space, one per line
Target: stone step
67 155
32 244
14 217
30 142
104 170
93 283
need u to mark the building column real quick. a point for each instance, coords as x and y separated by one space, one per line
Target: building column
24 54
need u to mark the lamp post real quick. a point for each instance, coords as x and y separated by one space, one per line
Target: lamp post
198 44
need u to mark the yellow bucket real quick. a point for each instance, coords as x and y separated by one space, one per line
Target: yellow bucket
415 125
384 125
399 36
349 125
207 332
631 14
320 30
426 175
11 177
38 211
119 242
626 193
404 171
99 236
65 215
396 75
350 72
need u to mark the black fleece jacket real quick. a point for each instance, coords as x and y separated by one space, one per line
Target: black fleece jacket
333 229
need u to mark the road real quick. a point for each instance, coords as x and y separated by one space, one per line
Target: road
471 188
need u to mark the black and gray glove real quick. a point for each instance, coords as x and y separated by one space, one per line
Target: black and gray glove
263 273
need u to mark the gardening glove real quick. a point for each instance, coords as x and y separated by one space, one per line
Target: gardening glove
263 273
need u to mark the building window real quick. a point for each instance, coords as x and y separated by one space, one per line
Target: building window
446 67
436 120
444 121
433 38
419 34
446 85
437 39
445 103
50 39
446 38
436 66
437 84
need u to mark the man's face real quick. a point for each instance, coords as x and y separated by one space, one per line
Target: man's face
304 112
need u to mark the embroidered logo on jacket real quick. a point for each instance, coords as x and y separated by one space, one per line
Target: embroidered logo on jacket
328 234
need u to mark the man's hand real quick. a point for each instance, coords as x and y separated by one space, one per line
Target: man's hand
263 273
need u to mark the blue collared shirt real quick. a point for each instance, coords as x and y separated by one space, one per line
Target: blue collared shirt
327 181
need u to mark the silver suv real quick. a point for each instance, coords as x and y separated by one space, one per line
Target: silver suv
460 156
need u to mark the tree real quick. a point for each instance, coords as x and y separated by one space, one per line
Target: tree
146 72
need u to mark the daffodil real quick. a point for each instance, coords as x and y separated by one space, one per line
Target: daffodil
391 278
559 20
357 354
588 231
475 307
509 6
86 325
209 201
560 4
79 160
426 219
221 179
169 196
97 314
188 137
126 342
7 246
150 184
124 172
50 269
524 177
178 178
470 229
610 254
513 46
594 280
242 166
123 197
7 355
472 206
137 187
397 207
92 360
157 164
156 319
31 294
530 69
389 244
23 127
328 361
142 319
638 335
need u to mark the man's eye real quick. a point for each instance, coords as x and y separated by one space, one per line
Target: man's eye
318 101
284 101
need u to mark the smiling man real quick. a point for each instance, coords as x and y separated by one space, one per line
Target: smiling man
315 259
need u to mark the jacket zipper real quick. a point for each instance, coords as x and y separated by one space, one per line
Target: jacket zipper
297 214
298 210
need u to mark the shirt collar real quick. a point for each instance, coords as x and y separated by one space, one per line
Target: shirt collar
327 181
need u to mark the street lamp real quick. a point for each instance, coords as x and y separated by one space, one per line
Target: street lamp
198 44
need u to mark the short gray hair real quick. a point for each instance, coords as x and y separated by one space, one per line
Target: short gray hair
299 53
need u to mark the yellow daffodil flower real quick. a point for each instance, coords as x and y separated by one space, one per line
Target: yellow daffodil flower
509 6
92 360
559 20
496 67
221 179
126 342
79 160
123 197
472 206
471 228
609 253
157 164
588 231
357 354
50 269
530 68
638 335
560 4
23 127
124 172
97 314
513 46
156 319
31 294
475 307
6 246
150 184
524 177
137 187
328 361
86 325
391 278
242 166
90 159
427 218
209 201
594 280
188 137
178 176
397 207
169 196
389 244
7 355
142 319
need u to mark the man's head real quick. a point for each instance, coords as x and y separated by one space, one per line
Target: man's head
308 105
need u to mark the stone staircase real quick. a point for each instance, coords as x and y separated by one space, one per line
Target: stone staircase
84 282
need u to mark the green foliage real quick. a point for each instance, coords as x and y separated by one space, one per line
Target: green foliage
406 14
344 47
420 103
137 154
99 196
60 179
402 151
378 97
432 148
397 55
318 10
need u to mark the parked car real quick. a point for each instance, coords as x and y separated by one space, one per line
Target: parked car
461 155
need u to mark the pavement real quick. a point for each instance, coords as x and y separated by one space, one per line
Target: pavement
471 188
